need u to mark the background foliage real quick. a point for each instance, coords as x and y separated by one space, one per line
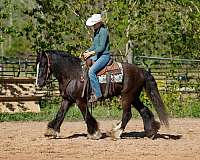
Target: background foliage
110 110
163 28
155 27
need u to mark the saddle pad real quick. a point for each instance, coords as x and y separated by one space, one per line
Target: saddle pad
115 76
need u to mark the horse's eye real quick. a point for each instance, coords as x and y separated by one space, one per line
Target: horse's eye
42 64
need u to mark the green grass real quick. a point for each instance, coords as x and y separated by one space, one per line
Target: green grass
49 113
49 110
108 110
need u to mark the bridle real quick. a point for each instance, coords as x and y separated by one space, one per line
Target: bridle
48 69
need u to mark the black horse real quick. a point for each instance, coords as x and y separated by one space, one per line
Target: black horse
67 69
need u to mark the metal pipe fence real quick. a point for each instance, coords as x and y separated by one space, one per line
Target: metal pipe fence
172 75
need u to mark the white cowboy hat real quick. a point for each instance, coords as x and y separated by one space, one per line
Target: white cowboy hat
94 19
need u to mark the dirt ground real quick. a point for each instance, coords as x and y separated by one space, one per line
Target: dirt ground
25 141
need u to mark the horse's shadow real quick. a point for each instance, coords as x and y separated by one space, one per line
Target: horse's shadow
137 135
128 135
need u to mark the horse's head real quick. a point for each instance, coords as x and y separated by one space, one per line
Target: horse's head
43 69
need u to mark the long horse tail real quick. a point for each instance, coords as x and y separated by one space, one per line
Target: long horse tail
154 95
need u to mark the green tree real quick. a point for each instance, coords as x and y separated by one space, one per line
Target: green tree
60 25
166 28
12 22
154 27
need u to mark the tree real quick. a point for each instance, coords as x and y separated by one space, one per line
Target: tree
166 28
12 22
152 27
59 25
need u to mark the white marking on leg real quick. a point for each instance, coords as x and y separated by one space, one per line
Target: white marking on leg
37 73
97 135
118 126
117 131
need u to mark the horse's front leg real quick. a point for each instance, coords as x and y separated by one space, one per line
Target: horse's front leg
53 127
92 125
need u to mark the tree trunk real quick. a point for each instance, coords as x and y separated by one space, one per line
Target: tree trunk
129 52
11 24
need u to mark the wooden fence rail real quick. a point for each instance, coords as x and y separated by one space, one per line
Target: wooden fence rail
19 95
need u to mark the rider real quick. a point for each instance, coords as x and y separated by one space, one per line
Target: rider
98 52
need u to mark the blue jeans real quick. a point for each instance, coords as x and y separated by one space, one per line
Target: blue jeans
94 69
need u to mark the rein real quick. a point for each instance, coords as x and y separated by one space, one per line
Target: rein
48 67
48 71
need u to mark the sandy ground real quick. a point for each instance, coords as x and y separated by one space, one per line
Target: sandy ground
25 141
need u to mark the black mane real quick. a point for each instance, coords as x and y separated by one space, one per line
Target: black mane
66 55
65 64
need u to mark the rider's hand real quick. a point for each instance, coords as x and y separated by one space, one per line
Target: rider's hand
88 54
81 56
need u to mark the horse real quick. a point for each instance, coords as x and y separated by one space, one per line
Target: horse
67 69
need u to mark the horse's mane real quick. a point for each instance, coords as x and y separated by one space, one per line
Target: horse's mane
66 64
66 55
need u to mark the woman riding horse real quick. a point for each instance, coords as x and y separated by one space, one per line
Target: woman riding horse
99 52
68 71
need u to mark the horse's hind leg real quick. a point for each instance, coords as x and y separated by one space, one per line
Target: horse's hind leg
126 116
151 126
53 127
92 125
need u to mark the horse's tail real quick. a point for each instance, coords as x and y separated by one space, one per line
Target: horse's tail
154 95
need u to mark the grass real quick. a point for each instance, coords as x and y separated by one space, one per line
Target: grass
49 110
108 110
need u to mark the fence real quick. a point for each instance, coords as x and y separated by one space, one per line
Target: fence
172 75
16 67
17 85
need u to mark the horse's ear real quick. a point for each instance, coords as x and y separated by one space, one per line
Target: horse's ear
38 57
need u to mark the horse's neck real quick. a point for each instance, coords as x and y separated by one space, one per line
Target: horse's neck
65 74
63 67
63 82
61 77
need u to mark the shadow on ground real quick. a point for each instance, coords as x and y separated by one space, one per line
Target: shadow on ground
137 135
128 135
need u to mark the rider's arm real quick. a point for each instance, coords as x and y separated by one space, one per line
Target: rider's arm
91 48
103 36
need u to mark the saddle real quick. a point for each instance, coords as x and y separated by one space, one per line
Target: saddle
111 67
110 74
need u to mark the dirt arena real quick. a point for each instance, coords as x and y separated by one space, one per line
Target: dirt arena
25 141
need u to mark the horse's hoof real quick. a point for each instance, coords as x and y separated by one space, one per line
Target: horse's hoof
116 132
156 126
151 134
97 135
51 133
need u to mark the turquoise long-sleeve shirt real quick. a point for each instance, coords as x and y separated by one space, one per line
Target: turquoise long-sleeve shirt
100 42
